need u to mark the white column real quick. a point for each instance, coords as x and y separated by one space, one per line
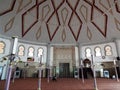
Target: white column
48 54
80 61
14 44
117 43
12 56
49 59
77 59
77 56
94 73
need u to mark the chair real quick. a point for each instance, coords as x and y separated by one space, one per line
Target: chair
17 74
106 74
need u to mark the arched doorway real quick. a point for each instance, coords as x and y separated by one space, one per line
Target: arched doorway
64 61
64 70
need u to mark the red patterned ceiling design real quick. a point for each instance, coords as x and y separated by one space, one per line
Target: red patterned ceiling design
65 13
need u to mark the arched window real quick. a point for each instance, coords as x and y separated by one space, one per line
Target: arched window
21 50
2 47
88 52
30 51
97 51
40 52
108 50
40 55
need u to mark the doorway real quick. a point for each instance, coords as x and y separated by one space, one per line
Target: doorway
64 70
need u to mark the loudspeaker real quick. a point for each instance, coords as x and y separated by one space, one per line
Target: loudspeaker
118 58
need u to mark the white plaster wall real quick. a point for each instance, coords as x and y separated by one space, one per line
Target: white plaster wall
7 52
35 56
23 58
100 59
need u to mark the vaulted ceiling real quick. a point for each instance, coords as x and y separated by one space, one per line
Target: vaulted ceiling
61 21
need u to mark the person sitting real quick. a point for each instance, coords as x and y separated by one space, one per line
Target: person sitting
54 78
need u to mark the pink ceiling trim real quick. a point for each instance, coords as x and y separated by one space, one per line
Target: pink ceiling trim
54 12
23 30
37 16
10 9
92 12
73 11
117 6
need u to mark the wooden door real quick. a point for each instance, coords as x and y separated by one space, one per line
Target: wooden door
64 70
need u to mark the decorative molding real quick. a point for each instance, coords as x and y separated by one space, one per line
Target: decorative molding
63 35
38 34
84 14
109 8
74 13
46 7
104 4
71 16
117 23
20 8
9 24
63 12
57 18
90 1
24 32
117 5
9 9
39 2
89 34
103 32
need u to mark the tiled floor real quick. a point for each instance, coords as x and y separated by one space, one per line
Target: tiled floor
62 84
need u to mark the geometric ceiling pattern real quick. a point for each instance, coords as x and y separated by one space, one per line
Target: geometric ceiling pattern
64 16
